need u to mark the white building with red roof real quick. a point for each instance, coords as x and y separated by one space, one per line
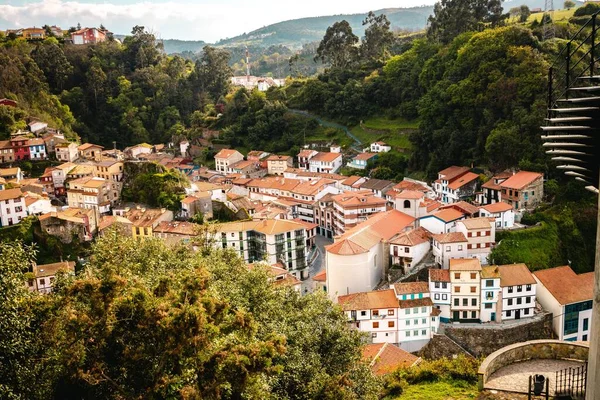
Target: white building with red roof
358 260
448 246
442 221
225 158
13 208
409 249
440 289
352 208
379 147
325 162
455 184
503 214
481 236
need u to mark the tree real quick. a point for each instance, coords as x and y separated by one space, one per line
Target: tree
378 37
338 46
49 56
524 13
452 17
568 4
213 72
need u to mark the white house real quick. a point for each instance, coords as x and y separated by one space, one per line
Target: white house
361 160
38 205
138 150
12 207
37 126
491 310
373 312
455 183
569 297
442 221
226 157
410 202
439 287
447 246
502 212
481 237
380 147
518 291
325 162
352 183
183 147
408 249
67 152
43 277
357 261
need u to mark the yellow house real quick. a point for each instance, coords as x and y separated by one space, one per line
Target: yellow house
112 171
465 283
90 151
144 220
34 33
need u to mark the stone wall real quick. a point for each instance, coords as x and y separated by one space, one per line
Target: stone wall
441 346
482 340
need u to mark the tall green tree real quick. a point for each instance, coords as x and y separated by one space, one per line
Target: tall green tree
51 59
212 72
338 46
378 37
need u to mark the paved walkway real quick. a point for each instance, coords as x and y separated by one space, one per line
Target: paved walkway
515 377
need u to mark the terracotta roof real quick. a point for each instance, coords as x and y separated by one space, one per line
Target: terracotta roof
435 312
448 215
411 287
242 164
478 223
520 180
5 144
144 217
377 184
431 204
463 180
276 157
452 172
450 237
43 270
36 142
515 274
490 272
275 182
565 285
307 225
439 275
379 227
351 180
361 199
410 194
385 358
465 264
312 187
409 185
10 194
226 153
424 302
462 206
306 153
257 153
320 276
86 146
365 156
412 238
369 300
326 157
497 207
496 180
109 220
177 228
9 171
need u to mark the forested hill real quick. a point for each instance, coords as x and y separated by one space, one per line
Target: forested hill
296 32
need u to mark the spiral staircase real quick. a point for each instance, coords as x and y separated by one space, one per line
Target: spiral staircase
572 127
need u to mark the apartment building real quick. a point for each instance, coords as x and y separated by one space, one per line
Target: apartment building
59 176
409 249
66 152
12 207
226 157
448 246
491 304
441 292
481 236
277 165
442 221
518 291
455 184
465 277
89 192
353 208
325 162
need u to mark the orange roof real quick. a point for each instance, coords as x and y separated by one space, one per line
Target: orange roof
478 223
439 275
515 274
361 198
10 194
452 172
86 146
463 180
226 153
177 228
326 157
496 180
565 285
306 153
448 215
411 287
497 207
450 237
385 358
462 206
320 276
276 157
189 200
365 156
409 185
307 225
520 180
412 238
410 194
351 180
490 271
35 142
312 187
424 302
275 182
465 264
369 300
379 227
431 204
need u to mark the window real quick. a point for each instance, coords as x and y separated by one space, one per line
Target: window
447 248
488 233
390 312
526 311
363 313
424 321
508 313
510 289
528 287
436 296
584 338
437 285
456 302
416 333
489 283
407 311
408 322
444 285
469 246
375 325
473 314
375 313
407 249
460 247
488 305
416 310
474 302
510 302
444 297
519 288
465 314
407 333
465 302
390 324
469 234
406 204
456 289
586 323
519 300
457 275
416 322
374 334
423 332
473 275
473 289
527 299
42 281
423 309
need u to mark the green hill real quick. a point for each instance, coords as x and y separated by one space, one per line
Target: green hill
295 32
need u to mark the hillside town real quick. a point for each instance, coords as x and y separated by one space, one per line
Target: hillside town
402 259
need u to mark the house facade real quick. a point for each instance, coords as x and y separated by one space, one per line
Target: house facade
67 152
448 246
43 275
481 236
6 152
503 214
353 208
89 192
324 162
37 149
90 151
409 249
12 207
277 165
361 160
379 147
88 36
441 293
226 157
523 190
455 184
20 148
465 277
518 291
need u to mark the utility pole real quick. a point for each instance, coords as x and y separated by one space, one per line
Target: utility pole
548 31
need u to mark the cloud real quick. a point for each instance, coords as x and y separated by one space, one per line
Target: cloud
206 20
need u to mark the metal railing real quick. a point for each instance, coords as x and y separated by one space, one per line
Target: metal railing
571 382
577 59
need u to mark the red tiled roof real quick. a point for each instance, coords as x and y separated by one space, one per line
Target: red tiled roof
365 156
439 275
462 206
226 153
520 180
410 194
385 358
515 274
411 287
465 264
450 237
320 276
452 172
463 180
565 285
326 157
412 238
497 207
448 215
424 302
369 300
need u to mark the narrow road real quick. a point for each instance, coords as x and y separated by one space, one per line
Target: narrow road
328 124
318 264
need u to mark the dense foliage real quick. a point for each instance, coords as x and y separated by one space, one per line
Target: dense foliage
146 321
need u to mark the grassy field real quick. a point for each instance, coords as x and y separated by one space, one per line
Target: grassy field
558 15
394 132
442 390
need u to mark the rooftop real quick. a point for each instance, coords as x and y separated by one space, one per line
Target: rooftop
385 357
377 184
44 270
448 215
424 302
365 156
411 287
266 226
478 223
565 285
412 238
450 237
452 172
410 194
226 153
462 206
439 275
177 228
369 300
520 180
497 207
9 194
463 180
326 157
490 272
361 198
86 146
465 264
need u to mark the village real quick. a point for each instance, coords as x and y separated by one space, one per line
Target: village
404 260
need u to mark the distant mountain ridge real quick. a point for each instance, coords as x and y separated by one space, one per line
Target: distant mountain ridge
294 33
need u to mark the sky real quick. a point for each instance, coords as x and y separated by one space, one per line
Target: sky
208 20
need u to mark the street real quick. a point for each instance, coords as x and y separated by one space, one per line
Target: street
318 264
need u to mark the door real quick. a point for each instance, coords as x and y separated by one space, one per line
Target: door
517 314
493 317
456 315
